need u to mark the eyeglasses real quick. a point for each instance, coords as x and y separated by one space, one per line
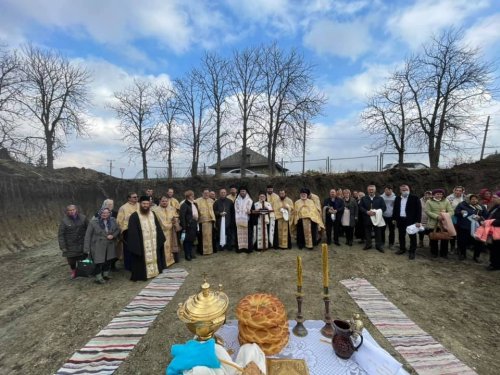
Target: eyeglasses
134 197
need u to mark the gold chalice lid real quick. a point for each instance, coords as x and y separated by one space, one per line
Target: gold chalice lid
205 305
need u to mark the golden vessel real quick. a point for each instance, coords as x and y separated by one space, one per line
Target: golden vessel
204 313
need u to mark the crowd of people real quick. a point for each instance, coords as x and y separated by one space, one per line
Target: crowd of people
149 233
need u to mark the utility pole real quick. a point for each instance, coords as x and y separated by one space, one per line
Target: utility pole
484 139
110 166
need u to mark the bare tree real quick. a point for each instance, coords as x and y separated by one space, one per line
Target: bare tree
169 112
192 104
389 116
11 138
448 82
287 90
246 86
55 96
215 79
136 107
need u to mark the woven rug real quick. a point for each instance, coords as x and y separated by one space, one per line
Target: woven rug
112 345
421 350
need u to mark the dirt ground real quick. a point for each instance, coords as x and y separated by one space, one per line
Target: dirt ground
45 316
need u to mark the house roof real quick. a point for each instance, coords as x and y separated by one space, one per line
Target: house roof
254 159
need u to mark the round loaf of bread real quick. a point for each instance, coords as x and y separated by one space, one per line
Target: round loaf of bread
262 320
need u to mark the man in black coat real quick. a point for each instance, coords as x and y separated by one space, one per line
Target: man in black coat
145 243
333 205
367 206
407 211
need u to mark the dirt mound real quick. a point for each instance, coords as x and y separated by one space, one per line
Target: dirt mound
32 199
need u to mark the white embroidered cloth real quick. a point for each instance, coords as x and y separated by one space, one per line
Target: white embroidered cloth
319 355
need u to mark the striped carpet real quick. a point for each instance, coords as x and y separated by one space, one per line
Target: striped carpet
421 350
111 346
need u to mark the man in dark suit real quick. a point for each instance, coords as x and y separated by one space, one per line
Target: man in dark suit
367 206
333 205
407 211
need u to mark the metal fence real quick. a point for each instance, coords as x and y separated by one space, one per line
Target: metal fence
362 163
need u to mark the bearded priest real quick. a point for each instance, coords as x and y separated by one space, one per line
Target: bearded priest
145 242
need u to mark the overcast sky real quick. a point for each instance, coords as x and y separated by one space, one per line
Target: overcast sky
354 45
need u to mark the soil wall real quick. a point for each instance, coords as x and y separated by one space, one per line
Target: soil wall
32 200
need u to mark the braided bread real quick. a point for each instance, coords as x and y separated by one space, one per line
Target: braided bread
262 320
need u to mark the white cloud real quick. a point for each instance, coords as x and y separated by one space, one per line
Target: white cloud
344 39
276 14
484 34
174 24
356 88
418 22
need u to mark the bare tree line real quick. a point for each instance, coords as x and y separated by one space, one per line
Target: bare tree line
260 96
433 100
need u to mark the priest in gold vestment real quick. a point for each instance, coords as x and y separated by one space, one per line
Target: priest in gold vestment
124 213
206 220
283 211
168 215
145 243
306 221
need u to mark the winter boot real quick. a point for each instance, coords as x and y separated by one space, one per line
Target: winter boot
99 279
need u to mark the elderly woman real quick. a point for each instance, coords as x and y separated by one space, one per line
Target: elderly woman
434 209
109 204
100 241
494 245
71 237
468 213
349 216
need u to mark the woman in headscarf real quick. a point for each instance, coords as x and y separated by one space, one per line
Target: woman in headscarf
469 213
100 241
434 209
494 244
109 204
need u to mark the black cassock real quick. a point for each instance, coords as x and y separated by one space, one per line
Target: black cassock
136 247
227 206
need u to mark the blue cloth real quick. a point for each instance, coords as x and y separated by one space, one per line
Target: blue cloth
192 353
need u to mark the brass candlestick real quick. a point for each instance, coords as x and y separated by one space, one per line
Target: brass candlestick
299 329
327 329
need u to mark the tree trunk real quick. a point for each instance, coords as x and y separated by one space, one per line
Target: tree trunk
433 153
401 156
50 152
169 160
434 157
273 158
218 147
244 148
144 166
194 168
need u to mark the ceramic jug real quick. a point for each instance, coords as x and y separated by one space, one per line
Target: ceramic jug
342 341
